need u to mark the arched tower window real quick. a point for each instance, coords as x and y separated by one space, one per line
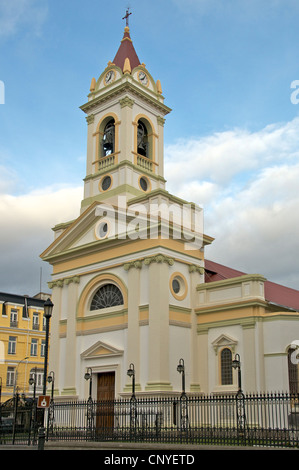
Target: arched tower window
226 367
142 139
108 142
293 371
108 295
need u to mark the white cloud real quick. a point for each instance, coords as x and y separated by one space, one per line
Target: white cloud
26 223
15 14
248 185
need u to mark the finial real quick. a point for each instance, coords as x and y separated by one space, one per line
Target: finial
127 17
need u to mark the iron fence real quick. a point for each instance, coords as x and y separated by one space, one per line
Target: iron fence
255 420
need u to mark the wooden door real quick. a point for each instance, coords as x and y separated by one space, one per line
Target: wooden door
105 398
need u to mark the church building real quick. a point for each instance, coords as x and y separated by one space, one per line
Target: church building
131 284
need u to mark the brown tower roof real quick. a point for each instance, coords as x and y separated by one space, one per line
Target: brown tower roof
126 50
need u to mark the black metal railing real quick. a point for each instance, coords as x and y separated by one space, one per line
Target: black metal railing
265 420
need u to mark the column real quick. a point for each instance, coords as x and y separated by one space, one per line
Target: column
158 354
133 339
195 279
71 353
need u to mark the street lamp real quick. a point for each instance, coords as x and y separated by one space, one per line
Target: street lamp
88 376
50 379
32 381
48 307
236 364
181 369
131 373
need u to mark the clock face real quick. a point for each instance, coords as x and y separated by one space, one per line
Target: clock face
109 77
143 78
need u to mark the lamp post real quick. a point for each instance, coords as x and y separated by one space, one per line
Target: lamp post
89 415
181 369
133 408
51 379
183 398
131 373
88 376
48 307
32 381
236 364
240 401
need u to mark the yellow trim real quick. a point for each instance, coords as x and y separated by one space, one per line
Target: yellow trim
133 246
93 285
101 180
182 280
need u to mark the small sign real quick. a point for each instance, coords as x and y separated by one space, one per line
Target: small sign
43 401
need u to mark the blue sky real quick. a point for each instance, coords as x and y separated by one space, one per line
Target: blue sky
231 141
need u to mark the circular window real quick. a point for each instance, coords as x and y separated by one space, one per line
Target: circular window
178 286
143 183
106 183
102 229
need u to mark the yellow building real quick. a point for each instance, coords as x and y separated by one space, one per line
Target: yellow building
22 344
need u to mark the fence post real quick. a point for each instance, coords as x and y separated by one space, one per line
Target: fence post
41 438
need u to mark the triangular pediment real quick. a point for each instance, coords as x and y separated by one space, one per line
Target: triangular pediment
85 231
224 341
101 349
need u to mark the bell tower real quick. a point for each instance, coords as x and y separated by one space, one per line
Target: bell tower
125 113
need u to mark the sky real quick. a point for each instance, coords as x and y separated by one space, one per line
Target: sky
229 71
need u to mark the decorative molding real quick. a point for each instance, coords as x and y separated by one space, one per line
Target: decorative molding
159 259
193 268
224 341
133 264
126 102
64 282
90 119
161 121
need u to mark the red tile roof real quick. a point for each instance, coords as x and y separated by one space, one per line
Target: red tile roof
275 293
126 49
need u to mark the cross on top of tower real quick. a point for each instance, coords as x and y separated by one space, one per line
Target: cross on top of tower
126 17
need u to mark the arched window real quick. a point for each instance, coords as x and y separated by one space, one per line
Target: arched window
293 371
108 142
142 140
226 367
106 296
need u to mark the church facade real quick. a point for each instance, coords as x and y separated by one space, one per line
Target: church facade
131 286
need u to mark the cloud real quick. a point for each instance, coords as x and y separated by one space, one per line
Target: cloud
248 186
16 14
26 232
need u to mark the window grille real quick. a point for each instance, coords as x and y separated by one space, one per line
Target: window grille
107 296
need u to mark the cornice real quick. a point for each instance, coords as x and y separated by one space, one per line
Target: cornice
126 87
